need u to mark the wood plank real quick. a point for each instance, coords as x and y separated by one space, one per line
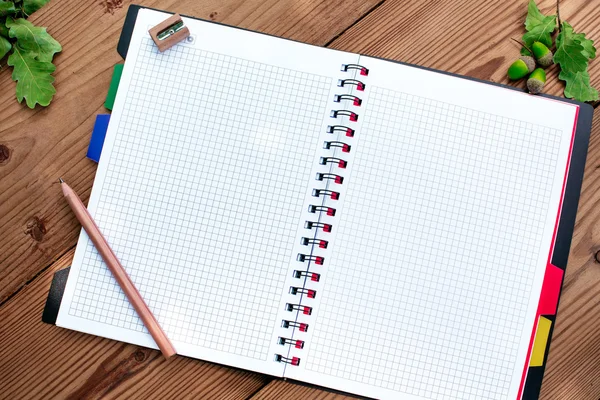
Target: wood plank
44 361
40 145
98 367
573 369
280 389
467 37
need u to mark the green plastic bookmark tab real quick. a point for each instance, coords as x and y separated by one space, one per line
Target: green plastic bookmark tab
114 86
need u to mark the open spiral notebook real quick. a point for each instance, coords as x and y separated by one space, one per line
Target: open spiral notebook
328 217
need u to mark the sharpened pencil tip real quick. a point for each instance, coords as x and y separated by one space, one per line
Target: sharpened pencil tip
61 180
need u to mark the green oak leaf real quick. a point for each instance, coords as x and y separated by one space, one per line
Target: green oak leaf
34 79
33 39
31 6
535 17
3 28
569 52
539 27
588 45
5 46
7 8
578 86
542 33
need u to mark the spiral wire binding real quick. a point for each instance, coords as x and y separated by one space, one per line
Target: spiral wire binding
326 192
296 343
335 128
341 163
313 276
310 293
320 242
320 209
302 327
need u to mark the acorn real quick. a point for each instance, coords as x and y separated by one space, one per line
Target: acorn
536 81
542 54
520 68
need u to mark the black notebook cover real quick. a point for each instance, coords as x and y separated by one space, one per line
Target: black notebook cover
564 234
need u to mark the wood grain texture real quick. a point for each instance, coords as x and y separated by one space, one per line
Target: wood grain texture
45 362
465 37
37 229
280 389
37 146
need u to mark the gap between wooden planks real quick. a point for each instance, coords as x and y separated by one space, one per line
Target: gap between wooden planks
412 31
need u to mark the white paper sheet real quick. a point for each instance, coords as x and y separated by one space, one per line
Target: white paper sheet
442 244
200 188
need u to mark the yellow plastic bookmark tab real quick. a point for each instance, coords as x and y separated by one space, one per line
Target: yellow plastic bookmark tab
540 343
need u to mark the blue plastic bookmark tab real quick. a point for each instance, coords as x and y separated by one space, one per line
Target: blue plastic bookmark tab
98 134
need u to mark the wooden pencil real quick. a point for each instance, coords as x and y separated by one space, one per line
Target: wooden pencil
113 264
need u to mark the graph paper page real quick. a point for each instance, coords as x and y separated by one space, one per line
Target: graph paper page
433 283
200 189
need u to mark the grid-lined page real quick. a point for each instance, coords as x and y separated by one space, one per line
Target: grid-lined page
179 184
443 236
201 190
434 229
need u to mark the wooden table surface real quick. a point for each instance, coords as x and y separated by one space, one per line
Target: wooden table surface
38 232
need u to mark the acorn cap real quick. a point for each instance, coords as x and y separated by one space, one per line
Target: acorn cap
536 81
520 68
546 60
542 54
529 61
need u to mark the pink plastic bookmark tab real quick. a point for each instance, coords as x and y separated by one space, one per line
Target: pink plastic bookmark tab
550 290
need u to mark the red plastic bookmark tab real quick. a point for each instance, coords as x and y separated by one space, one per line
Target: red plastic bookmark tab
550 290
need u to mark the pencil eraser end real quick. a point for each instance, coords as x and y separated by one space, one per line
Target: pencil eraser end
169 32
